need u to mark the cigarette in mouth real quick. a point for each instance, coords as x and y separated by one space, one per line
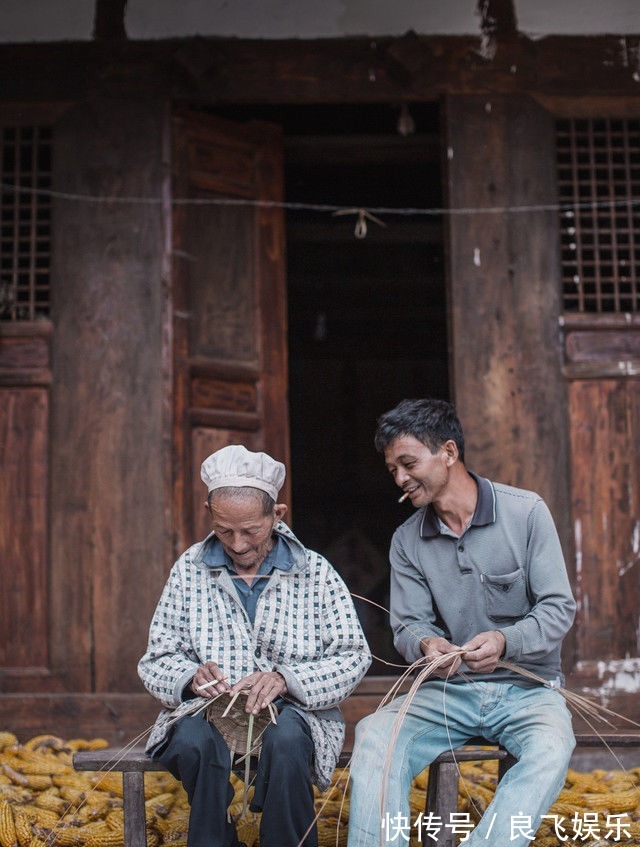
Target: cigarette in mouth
404 497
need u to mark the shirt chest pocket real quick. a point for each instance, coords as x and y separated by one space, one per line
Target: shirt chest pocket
505 596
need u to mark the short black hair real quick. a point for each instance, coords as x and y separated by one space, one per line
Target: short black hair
244 492
431 421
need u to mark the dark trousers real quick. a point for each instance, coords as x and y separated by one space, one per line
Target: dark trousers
197 755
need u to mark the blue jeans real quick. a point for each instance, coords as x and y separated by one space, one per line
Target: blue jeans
534 724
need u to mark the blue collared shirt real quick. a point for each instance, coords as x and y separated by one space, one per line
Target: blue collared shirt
279 557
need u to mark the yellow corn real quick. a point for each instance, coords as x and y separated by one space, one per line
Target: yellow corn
111 782
39 816
23 827
170 830
614 803
81 782
77 744
106 838
46 742
8 836
160 805
67 836
51 799
115 820
73 796
40 763
14 775
98 744
7 739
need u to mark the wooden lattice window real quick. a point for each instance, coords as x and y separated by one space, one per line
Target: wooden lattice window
599 188
25 222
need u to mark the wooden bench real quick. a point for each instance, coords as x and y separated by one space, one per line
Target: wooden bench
133 764
442 786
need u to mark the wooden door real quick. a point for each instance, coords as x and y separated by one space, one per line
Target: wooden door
605 435
25 378
602 355
229 302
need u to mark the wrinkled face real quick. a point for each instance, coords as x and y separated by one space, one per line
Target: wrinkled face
418 471
243 529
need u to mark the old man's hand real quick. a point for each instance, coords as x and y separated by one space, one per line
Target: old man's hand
263 687
209 681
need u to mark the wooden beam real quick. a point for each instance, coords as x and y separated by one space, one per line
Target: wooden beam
349 70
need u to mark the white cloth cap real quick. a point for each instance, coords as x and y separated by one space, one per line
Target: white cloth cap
237 467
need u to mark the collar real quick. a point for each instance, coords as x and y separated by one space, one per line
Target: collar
485 512
279 556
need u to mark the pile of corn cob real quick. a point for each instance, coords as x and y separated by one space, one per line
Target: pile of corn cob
44 802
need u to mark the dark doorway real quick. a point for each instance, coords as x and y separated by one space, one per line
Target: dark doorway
367 323
367 327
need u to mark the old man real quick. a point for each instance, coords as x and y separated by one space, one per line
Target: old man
251 610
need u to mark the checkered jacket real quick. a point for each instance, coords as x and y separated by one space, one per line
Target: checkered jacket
305 627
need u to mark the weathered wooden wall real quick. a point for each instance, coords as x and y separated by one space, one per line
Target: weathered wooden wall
105 363
505 289
110 454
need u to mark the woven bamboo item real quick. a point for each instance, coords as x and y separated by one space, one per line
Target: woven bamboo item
241 731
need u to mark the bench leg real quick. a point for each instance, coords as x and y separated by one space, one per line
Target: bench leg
135 827
504 765
442 800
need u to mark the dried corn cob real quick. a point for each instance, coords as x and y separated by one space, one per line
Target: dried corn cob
115 819
7 739
51 799
46 742
40 763
8 836
23 827
40 817
111 782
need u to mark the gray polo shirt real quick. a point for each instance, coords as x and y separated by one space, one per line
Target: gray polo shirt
505 572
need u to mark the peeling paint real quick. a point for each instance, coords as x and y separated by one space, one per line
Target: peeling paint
624 567
620 675
577 534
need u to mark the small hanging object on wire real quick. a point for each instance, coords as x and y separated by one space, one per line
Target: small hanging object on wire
361 222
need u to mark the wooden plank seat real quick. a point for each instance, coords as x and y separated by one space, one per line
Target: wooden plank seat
133 764
442 786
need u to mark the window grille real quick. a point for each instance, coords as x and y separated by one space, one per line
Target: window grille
599 188
25 222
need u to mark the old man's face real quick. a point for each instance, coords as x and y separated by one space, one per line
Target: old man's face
243 529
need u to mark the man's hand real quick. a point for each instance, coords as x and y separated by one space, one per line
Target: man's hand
209 681
484 651
433 648
264 687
